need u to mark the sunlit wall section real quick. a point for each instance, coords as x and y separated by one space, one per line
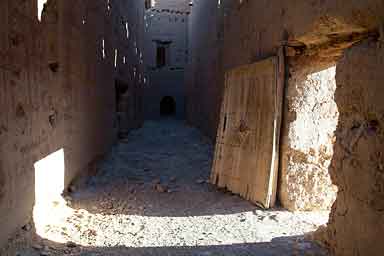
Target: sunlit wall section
49 178
40 8
49 185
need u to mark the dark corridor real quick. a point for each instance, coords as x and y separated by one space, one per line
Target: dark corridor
167 106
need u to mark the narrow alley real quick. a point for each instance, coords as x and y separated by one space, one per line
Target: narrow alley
191 127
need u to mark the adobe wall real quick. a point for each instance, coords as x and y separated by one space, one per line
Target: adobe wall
56 92
204 80
356 224
129 42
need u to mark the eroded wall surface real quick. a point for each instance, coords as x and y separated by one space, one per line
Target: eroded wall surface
310 120
19 109
357 219
56 93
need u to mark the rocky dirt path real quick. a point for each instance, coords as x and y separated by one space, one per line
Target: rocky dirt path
151 197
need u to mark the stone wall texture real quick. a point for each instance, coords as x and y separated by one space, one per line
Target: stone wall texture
56 92
311 117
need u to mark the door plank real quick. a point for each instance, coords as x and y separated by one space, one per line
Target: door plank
246 155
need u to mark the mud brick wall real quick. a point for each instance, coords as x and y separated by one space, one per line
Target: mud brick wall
56 92
357 220
205 78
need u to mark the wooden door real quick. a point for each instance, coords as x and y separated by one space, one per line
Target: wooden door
246 155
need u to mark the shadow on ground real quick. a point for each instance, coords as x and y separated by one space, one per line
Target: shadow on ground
160 170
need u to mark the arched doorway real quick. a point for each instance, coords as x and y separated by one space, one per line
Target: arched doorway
167 106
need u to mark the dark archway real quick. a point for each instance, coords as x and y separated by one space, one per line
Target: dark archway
167 106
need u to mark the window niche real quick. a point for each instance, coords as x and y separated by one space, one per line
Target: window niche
162 54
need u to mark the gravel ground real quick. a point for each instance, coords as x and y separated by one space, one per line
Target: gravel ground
151 197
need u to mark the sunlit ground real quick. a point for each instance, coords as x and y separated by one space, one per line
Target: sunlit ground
60 223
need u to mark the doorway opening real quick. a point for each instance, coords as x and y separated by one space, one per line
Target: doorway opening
120 88
121 101
168 106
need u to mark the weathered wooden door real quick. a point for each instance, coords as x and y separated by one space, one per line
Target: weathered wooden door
246 156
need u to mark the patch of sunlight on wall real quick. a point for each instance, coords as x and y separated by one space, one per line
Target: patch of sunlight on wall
49 185
40 8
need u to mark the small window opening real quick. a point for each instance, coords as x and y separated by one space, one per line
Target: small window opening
121 88
103 48
109 6
225 123
116 56
162 54
127 29
54 67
